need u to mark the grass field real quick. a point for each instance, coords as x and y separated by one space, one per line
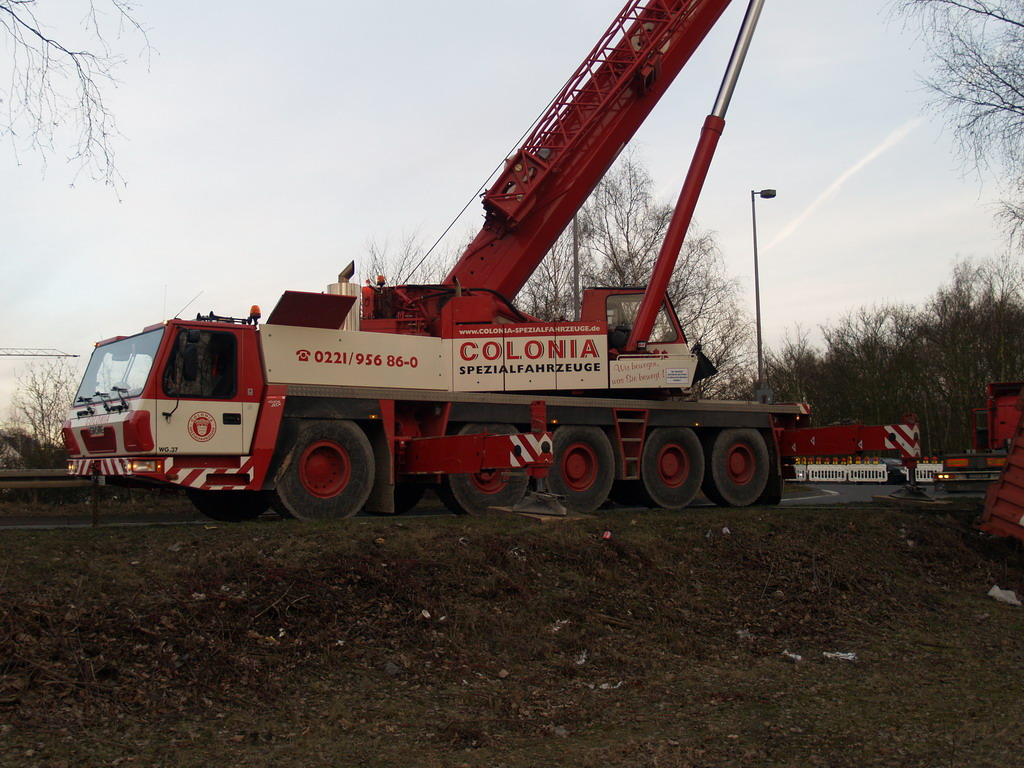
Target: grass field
699 639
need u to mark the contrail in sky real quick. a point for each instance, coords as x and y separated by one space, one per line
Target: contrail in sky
890 141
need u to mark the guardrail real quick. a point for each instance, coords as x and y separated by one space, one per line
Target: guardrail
34 479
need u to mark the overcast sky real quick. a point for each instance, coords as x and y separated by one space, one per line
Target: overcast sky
265 146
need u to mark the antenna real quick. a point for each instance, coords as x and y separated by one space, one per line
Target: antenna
188 305
23 352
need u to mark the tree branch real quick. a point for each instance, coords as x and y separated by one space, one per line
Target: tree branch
55 88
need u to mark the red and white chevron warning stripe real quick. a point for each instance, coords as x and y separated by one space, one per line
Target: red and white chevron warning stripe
204 478
532 449
903 437
106 467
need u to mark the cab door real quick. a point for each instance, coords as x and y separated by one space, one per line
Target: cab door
203 407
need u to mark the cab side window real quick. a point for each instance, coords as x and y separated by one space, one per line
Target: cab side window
202 364
623 309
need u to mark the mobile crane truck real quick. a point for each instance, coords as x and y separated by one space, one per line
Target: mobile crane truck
360 398
994 428
1003 513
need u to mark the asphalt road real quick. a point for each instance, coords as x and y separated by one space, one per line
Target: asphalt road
854 493
817 494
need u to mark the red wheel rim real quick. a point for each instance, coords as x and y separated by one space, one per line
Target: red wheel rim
673 465
579 467
488 481
325 469
740 463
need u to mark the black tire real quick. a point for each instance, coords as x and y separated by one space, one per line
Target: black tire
584 467
773 491
328 474
466 494
407 496
736 468
629 493
230 506
671 468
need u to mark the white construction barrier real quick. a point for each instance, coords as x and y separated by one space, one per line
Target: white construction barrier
868 473
926 472
828 473
860 473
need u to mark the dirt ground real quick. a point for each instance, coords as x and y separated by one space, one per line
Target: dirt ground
857 636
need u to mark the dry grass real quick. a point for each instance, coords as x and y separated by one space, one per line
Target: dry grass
500 642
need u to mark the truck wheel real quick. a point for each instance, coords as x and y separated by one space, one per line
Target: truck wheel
672 468
629 493
407 496
773 491
466 494
329 472
229 506
584 467
736 468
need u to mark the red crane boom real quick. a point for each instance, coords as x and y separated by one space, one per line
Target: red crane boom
575 142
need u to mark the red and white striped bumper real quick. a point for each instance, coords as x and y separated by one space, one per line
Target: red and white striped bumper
103 467
186 474
239 474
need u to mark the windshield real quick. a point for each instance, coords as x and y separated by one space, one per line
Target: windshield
124 364
622 310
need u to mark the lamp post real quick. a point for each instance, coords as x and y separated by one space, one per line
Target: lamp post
763 394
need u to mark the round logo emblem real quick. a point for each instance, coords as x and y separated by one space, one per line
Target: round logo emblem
202 426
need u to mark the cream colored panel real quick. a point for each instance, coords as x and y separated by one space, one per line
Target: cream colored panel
528 363
661 372
527 357
478 359
197 427
581 354
353 358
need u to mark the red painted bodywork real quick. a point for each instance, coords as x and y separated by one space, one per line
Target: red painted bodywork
854 440
996 423
681 218
566 154
311 310
1004 500
533 199
572 146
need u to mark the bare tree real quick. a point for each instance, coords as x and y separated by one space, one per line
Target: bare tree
977 48
872 360
53 85
622 227
625 225
549 294
39 407
971 329
403 261
882 361
792 371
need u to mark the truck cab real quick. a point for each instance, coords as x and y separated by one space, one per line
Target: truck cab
175 389
666 359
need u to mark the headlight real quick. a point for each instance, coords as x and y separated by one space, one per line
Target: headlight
146 465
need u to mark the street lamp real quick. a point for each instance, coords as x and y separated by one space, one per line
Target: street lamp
763 394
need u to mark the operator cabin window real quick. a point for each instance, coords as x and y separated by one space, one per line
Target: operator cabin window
202 364
623 309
